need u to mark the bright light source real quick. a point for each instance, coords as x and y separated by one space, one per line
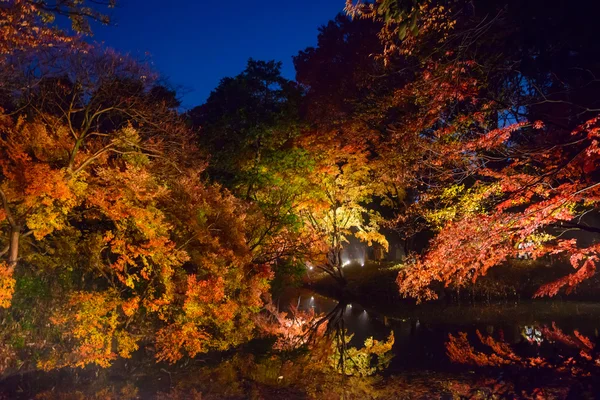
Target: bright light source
312 297
310 268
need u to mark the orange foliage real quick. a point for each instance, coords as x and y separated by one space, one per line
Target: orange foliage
91 323
171 340
104 191
140 225
460 350
7 285
488 181
130 306
531 203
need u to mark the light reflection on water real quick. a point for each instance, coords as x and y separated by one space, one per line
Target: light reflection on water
421 331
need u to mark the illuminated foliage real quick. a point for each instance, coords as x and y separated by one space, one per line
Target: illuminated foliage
90 321
499 163
27 24
20 29
375 356
523 206
104 208
341 186
248 126
117 232
7 285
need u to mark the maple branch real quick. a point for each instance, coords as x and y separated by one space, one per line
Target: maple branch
92 158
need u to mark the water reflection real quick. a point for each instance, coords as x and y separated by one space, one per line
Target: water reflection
544 349
421 332
359 321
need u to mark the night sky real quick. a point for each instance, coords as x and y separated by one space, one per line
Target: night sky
196 43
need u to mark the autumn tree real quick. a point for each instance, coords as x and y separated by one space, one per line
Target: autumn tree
106 213
248 126
578 355
336 207
500 115
346 112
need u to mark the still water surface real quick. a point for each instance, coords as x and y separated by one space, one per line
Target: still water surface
420 336
422 331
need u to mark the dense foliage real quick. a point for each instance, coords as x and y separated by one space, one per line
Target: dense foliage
127 223
497 125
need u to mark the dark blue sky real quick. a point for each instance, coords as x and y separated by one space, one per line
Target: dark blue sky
195 43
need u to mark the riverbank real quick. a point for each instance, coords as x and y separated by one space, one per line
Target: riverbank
374 283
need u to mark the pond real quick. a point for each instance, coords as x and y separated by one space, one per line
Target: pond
422 331
559 336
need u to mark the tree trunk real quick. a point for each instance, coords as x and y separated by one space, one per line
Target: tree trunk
13 253
15 233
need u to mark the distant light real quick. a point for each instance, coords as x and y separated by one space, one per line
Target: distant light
310 268
312 297
362 265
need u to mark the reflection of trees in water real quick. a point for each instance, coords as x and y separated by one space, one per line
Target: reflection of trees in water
331 330
317 373
326 338
572 353
335 331
326 366
545 363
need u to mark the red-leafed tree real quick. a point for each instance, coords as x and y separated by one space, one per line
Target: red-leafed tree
498 125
